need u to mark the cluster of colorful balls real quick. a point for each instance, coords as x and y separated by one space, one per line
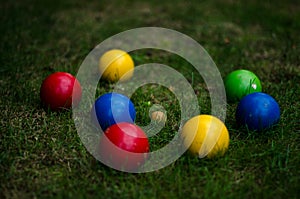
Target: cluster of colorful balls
113 112
204 135
126 145
256 110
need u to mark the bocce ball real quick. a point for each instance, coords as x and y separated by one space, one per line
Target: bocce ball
158 116
116 65
240 83
257 111
59 90
124 146
207 136
112 108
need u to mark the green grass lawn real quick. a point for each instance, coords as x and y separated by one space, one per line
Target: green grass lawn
41 155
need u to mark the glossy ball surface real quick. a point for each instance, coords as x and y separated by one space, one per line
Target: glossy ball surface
240 83
112 108
258 111
207 134
124 146
59 90
114 64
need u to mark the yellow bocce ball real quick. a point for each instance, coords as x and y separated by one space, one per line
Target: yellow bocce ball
115 65
205 135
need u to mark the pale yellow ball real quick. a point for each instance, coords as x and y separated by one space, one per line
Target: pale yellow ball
115 65
207 134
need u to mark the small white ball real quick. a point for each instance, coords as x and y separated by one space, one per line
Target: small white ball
158 116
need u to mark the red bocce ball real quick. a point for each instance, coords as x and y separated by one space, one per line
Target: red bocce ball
124 146
58 91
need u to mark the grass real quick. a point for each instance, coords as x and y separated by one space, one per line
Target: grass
41 155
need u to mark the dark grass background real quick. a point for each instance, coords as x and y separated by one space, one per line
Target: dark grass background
41 155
